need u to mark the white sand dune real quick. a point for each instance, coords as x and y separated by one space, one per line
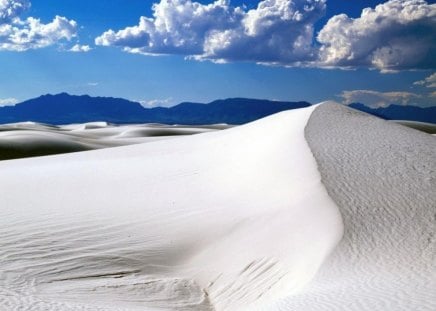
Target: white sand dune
219 221
228 220
383 178
422 126
29 139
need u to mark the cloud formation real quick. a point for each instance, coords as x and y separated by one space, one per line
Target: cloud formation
9 9
167 102
177 27
430 81
276 31
17 34
395 35
80 48
8 101
376 99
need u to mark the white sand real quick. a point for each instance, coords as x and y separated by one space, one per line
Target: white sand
219 221
230 220
383 178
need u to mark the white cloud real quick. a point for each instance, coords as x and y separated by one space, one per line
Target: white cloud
276 31
10 9
177 27
376 99
430 81
20 35
80 48
395 35
92 83
8 101
167 102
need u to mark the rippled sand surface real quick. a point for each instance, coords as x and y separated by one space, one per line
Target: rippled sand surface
383 178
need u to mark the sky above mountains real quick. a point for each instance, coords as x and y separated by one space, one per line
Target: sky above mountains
164 52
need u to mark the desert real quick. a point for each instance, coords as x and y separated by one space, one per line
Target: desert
293 211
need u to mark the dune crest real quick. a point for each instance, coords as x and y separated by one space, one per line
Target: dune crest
383 178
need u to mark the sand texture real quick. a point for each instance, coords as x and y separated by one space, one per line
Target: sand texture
383 178
322 208
228 220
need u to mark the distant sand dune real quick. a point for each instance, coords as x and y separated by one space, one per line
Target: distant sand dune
30 139
422 126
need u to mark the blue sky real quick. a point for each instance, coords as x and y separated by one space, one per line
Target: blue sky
204 50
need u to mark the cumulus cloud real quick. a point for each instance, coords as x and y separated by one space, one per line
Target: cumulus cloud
8 101
9 9
17 34
177 27
396 35
430 81
275 32
278 31
376 99
80 48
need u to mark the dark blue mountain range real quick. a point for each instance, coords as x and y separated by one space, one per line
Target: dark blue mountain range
64 108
